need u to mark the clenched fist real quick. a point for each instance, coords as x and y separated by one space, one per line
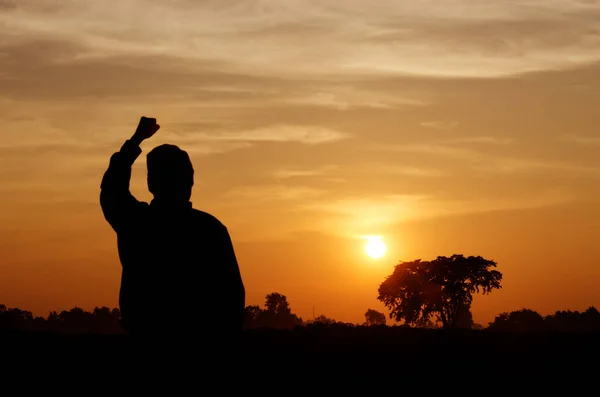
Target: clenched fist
145 129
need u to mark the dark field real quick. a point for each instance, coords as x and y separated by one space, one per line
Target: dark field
329 354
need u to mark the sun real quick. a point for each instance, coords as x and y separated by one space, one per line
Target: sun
375 247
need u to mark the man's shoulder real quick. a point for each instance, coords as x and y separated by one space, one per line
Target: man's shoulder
206 218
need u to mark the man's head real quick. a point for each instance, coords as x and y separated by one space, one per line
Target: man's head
170 173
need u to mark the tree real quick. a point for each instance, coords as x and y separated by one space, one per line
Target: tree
75 320
14 318
373 317
323 319
277 313
465 320
277 303
591 318
444 288
465 317
105 320
251 316
574 321
524 320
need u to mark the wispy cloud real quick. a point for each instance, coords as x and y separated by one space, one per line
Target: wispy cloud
376 213
508 165
581 139
485 140
490 161
437 149
440 125
295 172
370 212
346 99
435 37
404 170
251 195
310 135
198 148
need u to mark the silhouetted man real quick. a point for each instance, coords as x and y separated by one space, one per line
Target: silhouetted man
180 273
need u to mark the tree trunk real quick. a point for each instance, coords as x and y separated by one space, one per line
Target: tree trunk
443 317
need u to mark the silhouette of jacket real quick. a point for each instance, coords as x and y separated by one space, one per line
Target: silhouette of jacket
179 269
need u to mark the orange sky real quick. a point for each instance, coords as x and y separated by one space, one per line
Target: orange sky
463 126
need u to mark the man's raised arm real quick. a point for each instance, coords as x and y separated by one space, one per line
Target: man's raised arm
115 198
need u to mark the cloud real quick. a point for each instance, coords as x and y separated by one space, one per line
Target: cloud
310 135
508 165
251 195
46 69
8 4
416 171
195 148
460 38
293 172
436 149
582 140
489 161
346 99
440 125
404 170
366 214
486 140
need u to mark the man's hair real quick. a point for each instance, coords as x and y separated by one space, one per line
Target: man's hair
170 170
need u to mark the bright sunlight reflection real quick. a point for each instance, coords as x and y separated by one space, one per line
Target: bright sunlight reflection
375 246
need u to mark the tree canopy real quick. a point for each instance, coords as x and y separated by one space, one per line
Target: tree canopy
276 314
373 317
442 288
527 320
520 320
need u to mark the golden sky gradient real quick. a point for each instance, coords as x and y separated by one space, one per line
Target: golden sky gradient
445 126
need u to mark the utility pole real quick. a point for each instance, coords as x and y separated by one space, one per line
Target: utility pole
313 312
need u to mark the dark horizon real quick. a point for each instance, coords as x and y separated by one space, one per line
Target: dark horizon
105 320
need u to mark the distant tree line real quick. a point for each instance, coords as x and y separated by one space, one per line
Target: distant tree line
101 320
418 294
527 320
277 314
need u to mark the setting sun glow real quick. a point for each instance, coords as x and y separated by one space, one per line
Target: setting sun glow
375 247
